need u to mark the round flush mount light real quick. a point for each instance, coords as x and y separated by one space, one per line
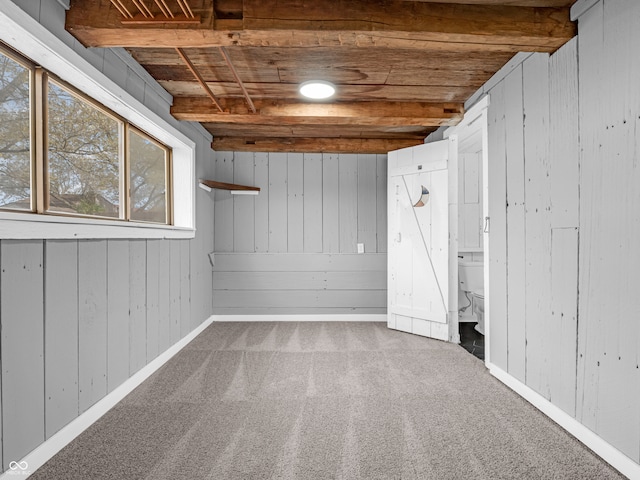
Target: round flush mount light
317 89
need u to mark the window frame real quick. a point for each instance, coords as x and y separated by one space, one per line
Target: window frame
168 184
30 40
33 140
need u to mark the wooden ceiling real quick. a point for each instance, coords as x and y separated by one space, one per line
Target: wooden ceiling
402 68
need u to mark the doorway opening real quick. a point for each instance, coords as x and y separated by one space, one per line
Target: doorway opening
473 226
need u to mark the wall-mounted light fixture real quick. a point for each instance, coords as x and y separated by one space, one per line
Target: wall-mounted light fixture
317 89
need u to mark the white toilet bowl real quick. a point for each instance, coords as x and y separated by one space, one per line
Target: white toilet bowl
478 309
471 280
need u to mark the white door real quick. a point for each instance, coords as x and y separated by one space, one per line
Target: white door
422 244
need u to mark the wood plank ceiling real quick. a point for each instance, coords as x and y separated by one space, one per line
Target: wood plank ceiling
402 68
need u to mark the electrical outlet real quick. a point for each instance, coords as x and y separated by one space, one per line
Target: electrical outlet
361 248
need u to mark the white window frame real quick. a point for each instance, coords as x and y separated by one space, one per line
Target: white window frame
21 32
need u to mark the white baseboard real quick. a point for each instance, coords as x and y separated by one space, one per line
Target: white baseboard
302 318
58 441
609 453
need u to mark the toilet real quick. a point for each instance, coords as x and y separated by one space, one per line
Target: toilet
471 280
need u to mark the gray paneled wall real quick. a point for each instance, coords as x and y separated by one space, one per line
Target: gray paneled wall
533 179
79 317
299 283
564 197
301 233
609 330
470 215
77 321
308 203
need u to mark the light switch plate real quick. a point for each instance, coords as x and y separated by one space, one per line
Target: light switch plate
361 248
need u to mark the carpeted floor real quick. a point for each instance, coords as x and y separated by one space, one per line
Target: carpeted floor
323 401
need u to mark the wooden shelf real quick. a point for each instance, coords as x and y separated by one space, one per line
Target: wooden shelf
228 186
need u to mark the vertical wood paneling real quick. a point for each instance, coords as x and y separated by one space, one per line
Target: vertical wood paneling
277 202
64 304
223 209
164 296
609 176
562 335
471 174
537 220
243 205
313 202
564 198
330 204
185 288
153 298
60 334
590 308
348 191
261 220
175 289
137 305
366 212
304 210
117 312
516 238
92 312
295 202
564 138
21 311
497 234
470 216
381 203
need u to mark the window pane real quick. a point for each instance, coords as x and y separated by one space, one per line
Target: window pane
15 135
147 161
84 161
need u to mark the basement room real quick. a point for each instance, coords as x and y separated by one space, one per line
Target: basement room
280 239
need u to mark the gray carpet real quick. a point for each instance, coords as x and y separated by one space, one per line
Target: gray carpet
323 401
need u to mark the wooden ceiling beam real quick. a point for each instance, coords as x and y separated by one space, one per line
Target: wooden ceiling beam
361 23
354 93
283 112
312 145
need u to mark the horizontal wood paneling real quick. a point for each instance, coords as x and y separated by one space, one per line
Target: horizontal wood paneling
363 280
298 262
299 283
347 299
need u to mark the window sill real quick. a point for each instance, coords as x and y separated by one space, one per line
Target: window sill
33 226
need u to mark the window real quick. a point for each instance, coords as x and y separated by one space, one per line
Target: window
148 178
62 153
15 134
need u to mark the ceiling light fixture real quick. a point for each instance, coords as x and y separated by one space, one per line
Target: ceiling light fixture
317 89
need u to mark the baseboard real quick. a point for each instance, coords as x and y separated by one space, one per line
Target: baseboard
303 318
58 441
609 453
